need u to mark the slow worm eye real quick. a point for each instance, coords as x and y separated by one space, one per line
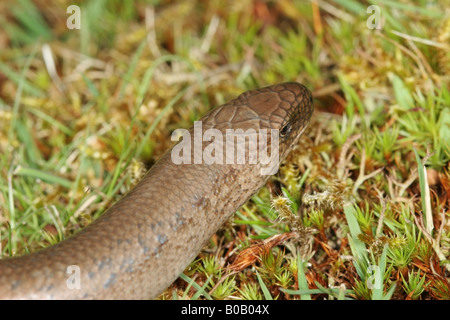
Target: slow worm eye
285 130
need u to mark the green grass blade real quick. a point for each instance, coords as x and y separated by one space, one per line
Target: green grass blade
302 282
264 288
27 86
152 127
133 65
191 282
51 120
359 249
44 176
377 291
425 195
90 85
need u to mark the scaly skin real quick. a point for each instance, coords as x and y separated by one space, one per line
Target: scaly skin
143 242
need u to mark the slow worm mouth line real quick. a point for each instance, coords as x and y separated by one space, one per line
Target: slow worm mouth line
140 245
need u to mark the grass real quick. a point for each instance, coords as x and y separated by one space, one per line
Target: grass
366 192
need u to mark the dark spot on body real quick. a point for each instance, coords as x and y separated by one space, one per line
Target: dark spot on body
179 219
161 238
45 288
141 240
110 281
201 203
104 263
48 288
128 265
120 241
129 269
16 284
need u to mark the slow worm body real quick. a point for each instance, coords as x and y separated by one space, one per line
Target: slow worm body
140 245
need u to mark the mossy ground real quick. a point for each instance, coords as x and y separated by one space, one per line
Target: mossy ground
84 112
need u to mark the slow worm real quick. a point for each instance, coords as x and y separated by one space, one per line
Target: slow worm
140 245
